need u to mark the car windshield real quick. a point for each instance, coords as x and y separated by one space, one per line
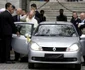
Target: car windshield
55 30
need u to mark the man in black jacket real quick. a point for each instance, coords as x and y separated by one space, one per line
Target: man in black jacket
17 16
82 24
75 20
37 14
61 17
82 27
7 28
42 17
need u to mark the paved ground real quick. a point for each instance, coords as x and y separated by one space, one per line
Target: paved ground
24 66
14 66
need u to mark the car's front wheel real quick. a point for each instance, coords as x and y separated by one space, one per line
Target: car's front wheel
31 65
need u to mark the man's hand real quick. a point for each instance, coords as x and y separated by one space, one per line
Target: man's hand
18 34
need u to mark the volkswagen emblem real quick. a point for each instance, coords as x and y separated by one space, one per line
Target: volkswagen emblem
54 49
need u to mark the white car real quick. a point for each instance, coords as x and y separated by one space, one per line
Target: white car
55 43
23 45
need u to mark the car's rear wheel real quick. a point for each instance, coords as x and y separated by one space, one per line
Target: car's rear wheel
31 65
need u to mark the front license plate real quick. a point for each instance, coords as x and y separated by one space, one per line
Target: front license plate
54 56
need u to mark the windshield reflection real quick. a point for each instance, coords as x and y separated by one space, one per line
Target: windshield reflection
55 30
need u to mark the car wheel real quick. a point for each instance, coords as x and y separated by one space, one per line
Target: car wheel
31 65
77 67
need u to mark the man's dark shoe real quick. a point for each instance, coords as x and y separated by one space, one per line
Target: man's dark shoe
16 60
13 61
2 61
10 62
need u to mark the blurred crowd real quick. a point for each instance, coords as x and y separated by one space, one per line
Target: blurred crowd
33 16
78 21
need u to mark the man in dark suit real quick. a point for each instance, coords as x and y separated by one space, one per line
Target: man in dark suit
37 14
17 19
42 17
61 17
82 27
75 20
17 16
82 24
7 28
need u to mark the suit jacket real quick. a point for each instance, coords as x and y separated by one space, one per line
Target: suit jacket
16 18
42 18
37 19
37 16
61 18
6 23
75 23
82 26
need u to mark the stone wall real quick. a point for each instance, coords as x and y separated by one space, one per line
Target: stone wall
17 3
2 3
56 0
61 0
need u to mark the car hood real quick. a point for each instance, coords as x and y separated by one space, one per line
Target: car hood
55 41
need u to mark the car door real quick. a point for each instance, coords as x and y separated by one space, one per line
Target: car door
19 43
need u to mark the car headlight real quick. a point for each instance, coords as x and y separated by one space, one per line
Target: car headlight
36 47
73 48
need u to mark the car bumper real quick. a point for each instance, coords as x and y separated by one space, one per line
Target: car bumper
58 58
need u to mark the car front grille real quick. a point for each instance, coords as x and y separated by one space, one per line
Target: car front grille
54 60
53 49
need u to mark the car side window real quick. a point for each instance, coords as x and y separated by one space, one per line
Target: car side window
24 28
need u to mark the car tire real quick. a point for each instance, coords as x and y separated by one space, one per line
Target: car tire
31 65
77 67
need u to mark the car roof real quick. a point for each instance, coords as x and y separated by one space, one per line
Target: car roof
56 22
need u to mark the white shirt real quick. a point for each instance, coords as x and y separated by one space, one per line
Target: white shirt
82 23
33 20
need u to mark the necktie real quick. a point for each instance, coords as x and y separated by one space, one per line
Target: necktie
18 18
